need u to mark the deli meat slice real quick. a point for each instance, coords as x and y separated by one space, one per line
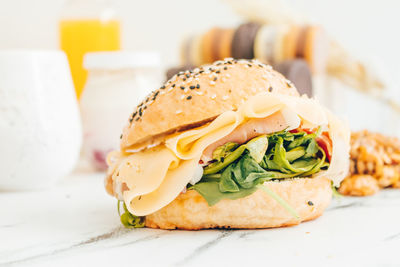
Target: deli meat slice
278 121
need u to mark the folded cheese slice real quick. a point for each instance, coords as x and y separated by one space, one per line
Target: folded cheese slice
155 177
340 164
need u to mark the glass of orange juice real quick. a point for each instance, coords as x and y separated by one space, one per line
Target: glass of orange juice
87 26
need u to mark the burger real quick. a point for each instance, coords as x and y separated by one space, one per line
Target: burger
227 145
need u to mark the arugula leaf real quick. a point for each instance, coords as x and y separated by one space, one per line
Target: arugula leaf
256 147
243 174
222 152
295 153
211 193
311 149
211 176
304 139
299 141
280 155
217 166
280 159
270 164
227 184
129 220
305 164
335 193
247 172
317 166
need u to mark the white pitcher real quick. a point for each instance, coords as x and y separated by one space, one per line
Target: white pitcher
40 129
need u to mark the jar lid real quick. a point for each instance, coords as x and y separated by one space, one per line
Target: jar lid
120 59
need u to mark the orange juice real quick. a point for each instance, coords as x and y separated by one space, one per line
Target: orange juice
87 35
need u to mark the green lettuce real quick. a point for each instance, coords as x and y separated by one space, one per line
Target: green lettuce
237 170
211 192
228 153
128 219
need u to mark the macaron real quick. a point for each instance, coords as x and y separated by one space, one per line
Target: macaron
264 43
243 40
312 46
316 48
278 48
290 42
225 43
215 42
298 72
301 41
207 45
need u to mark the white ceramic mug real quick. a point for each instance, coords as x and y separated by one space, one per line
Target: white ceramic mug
40 129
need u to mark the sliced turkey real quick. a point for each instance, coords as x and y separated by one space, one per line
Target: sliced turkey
279 121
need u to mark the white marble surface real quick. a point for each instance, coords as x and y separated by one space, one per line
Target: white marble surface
76 224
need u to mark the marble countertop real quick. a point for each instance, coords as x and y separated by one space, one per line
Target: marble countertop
76 224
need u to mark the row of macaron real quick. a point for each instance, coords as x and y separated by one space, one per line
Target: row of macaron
270 44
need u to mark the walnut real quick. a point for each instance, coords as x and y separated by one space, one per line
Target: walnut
375 156
390 176
359 185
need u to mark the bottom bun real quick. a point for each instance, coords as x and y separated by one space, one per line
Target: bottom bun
309 197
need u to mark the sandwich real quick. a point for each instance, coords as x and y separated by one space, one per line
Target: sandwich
227 145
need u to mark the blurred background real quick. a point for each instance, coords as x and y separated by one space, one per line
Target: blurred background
367 28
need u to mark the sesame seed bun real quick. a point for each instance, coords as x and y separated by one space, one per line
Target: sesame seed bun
192 98
309 197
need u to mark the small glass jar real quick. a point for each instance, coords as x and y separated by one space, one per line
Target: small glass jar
117 82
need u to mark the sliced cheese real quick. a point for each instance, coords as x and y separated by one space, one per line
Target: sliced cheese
190 144
155 177
173 183
142 173
340 163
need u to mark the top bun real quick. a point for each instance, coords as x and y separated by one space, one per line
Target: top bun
192 98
